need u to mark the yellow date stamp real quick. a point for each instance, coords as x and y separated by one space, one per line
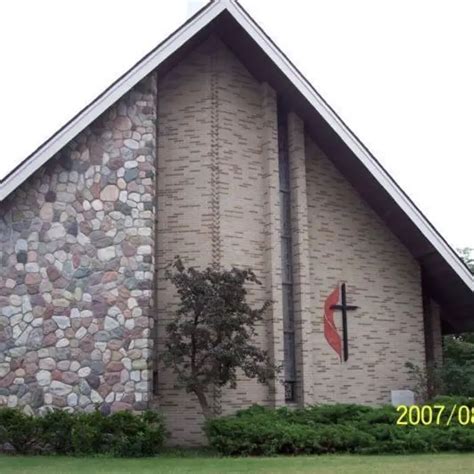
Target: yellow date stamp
438 415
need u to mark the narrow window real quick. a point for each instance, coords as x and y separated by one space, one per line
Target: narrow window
286 259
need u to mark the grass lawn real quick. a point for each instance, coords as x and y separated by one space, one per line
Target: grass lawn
331 464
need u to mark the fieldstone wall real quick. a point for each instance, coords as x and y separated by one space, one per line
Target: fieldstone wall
76 268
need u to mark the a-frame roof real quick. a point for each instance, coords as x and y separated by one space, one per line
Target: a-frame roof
444 274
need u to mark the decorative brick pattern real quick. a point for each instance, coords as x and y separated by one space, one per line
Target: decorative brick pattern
215 181
215 155
76 253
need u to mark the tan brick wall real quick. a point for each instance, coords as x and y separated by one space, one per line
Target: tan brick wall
241 192
348 242
212 186
218 204
184 225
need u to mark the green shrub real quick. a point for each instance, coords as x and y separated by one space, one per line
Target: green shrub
330 414
56 430
21 431
457 370
120 434
450 401
334 428
88 434
462 438
245 436
134 435
239 435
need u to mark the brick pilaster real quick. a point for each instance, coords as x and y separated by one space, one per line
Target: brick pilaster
272 234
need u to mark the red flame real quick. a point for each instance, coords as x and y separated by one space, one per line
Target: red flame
330 330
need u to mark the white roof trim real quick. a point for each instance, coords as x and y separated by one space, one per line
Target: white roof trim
166 49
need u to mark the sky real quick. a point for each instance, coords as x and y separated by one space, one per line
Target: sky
400 73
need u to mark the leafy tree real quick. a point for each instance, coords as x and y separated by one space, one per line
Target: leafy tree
455 376
467 254
457 371
212 334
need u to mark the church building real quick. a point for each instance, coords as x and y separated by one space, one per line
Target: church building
214 147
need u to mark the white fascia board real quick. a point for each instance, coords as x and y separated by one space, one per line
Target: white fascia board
104 101
352 142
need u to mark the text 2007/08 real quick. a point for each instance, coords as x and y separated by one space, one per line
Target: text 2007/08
435 415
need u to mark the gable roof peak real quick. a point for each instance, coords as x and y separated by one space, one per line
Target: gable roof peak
303 90
226 3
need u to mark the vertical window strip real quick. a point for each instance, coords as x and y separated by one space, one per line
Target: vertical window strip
287 260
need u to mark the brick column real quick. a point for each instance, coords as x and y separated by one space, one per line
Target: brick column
301 270
272 235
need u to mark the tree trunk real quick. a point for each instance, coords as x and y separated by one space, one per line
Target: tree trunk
206 410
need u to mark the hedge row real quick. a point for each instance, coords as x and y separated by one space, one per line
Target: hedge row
120 434
334 428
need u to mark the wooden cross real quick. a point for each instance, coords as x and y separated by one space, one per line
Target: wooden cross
344 307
